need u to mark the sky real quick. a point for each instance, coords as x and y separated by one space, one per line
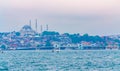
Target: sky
95 17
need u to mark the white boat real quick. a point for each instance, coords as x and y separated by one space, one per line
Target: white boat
56 48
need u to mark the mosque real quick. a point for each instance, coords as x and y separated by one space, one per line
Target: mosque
27 30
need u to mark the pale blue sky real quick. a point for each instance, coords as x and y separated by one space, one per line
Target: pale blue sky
95 17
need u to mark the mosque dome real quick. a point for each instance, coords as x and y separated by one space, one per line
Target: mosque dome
26 27
27 30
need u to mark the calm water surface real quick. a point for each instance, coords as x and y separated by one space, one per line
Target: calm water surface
71 60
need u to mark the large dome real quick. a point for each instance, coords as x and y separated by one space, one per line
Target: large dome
27 30
26 27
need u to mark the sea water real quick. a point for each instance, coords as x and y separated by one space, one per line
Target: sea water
66 60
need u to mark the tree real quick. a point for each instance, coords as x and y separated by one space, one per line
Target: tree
75 38
50 33
48 43
3 47
17 33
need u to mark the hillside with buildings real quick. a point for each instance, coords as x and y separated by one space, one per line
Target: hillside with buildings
30 39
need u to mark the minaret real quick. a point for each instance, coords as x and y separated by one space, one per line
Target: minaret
41 28
47 27
36 25
30 23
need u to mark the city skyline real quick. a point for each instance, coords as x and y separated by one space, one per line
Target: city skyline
99 17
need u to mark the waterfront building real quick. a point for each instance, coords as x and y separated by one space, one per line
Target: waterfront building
113 46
